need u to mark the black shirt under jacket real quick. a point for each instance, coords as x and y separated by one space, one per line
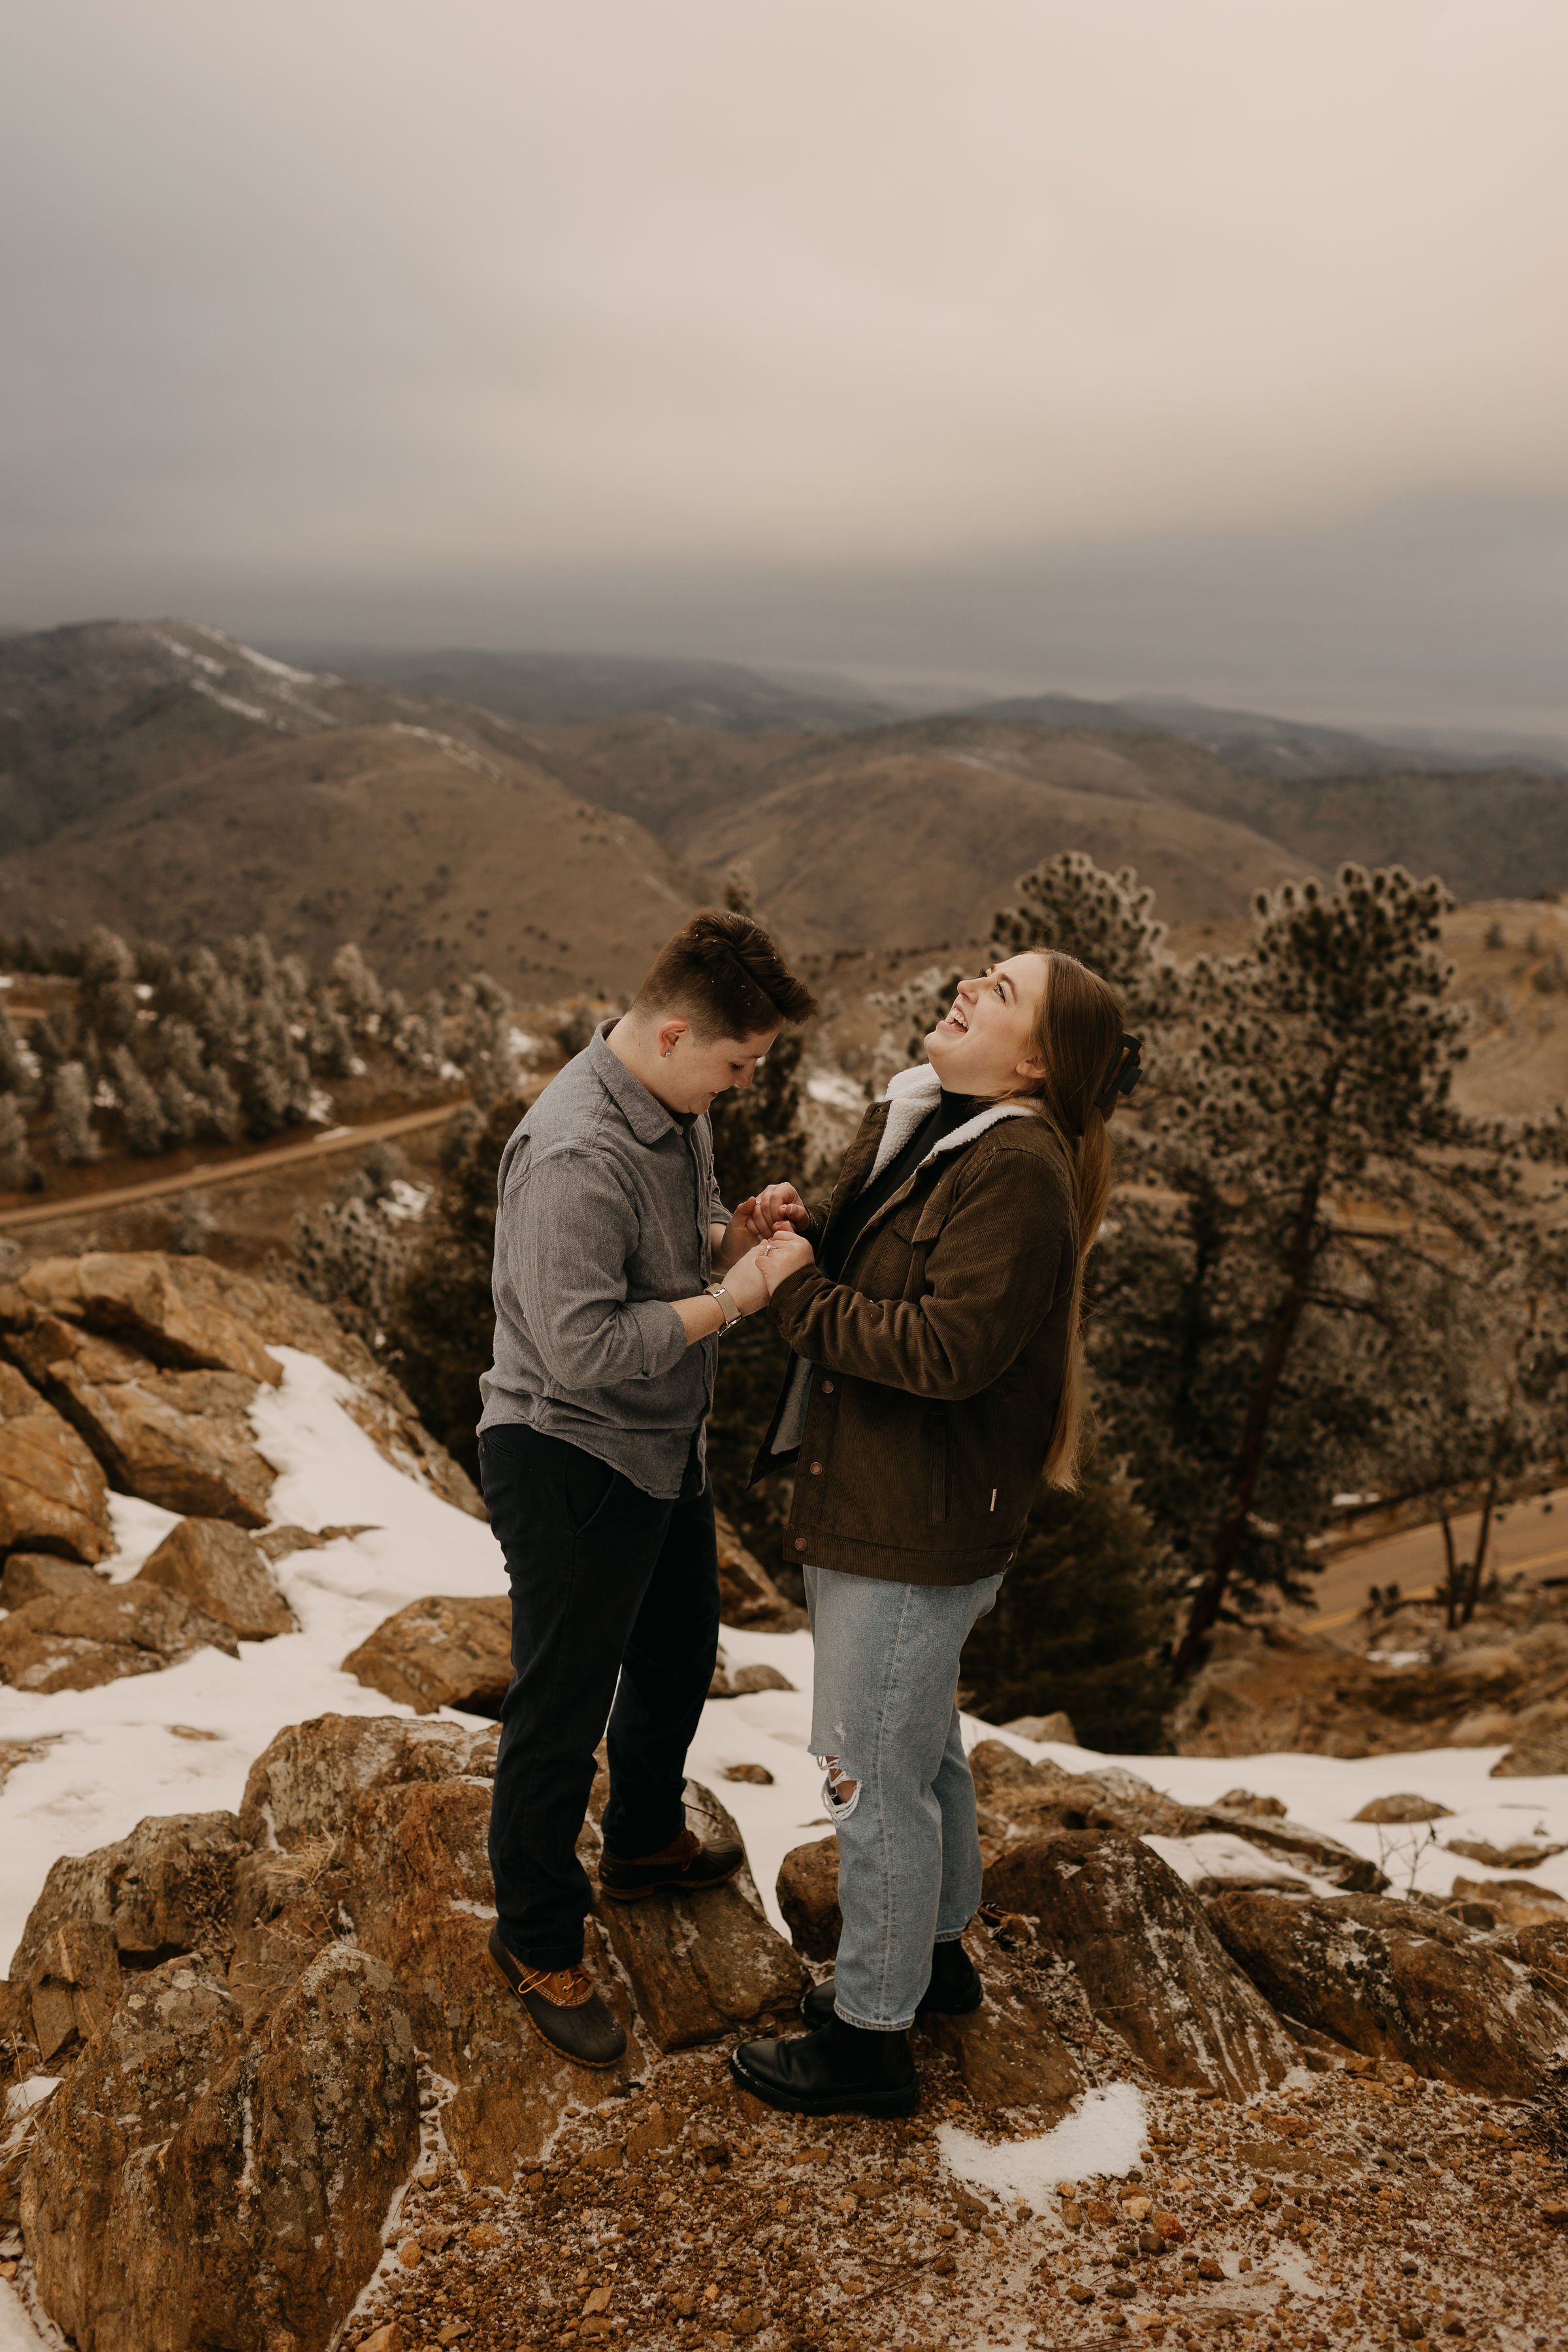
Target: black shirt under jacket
952 1111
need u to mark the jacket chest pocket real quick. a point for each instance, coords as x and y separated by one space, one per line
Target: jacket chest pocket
940 1503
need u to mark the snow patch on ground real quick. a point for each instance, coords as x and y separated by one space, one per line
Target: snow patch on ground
125 1751
1102 2137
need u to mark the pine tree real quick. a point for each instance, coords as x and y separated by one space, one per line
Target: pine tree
1301 1125
1107 921
18 1068
485 1051
181 1111
71 1137
1082 1620
221 1116
356 986
18 1173
440 1321
107 996
139 1108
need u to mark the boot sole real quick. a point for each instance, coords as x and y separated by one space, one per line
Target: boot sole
599 2065
903 2102
662 1886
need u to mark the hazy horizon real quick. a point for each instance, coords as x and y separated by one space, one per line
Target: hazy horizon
1215 351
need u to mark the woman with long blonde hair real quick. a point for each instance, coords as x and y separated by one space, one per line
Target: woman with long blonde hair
933 1310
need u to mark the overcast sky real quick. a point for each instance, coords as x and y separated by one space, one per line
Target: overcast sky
1102 344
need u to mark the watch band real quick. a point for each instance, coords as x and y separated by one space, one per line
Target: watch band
732 1312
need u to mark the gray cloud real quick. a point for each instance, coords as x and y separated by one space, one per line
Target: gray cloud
1040 341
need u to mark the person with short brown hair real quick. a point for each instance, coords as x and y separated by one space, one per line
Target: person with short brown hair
617 1267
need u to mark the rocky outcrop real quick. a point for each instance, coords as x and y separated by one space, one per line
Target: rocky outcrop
1147 1959
1408 1684
168 1888
1009 2052
239 2198
440 1651
1017 1795
54 1497
180 1439
1397 1981
94 1636
153 1361
220 1571
267 1981
747 1594
43 1576
139 1297
808 1897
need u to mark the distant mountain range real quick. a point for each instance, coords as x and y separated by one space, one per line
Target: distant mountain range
488 810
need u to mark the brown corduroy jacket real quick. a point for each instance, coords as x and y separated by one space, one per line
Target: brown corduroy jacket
935 1365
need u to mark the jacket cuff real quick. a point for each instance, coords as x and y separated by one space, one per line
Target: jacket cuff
794 1294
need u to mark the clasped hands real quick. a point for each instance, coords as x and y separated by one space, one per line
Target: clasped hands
763 1245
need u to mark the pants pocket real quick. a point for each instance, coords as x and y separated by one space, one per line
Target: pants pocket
587 1486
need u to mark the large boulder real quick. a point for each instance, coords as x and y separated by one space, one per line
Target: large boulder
808 1893
306 1785
1024 1796
239 2198
43 1576
1008 2052
139 1296
1397 1981
1150 1963
98 1635
747 1594
411 1872
219 1570
440 1651
180 1439
54 1497
165 1889
699 1966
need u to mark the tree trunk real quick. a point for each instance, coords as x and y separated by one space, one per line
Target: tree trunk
1483 1539
1451 1571
1300 1258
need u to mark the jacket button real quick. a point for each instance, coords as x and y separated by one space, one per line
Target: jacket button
828 1388
800 1543
817 1469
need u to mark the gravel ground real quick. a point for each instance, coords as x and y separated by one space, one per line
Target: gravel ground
1354 2208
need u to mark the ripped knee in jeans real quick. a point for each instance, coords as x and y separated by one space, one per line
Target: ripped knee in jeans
840 1794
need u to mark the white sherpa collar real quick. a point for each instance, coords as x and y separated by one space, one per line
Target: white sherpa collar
911 1096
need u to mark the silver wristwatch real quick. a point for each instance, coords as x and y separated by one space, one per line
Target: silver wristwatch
732 1312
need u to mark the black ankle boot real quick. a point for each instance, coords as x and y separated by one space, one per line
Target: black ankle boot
840 2070
954 1989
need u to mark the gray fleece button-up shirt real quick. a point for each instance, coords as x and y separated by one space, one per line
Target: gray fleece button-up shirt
603 1204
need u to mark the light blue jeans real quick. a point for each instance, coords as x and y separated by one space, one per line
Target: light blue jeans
885 1716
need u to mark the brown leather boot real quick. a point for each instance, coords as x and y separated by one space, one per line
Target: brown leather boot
562 2007
690 1861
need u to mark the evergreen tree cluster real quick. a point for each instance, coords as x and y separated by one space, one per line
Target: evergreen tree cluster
157 1049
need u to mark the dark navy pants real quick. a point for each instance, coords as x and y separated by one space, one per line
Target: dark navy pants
615 1621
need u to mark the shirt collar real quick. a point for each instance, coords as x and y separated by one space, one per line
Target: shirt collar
644 1114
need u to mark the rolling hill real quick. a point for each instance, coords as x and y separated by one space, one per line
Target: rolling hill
177 786
169 781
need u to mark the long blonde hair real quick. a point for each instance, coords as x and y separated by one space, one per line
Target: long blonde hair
1077 1039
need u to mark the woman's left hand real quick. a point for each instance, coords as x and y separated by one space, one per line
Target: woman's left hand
783 1256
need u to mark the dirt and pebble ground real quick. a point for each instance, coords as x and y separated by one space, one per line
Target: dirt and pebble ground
1354 2208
